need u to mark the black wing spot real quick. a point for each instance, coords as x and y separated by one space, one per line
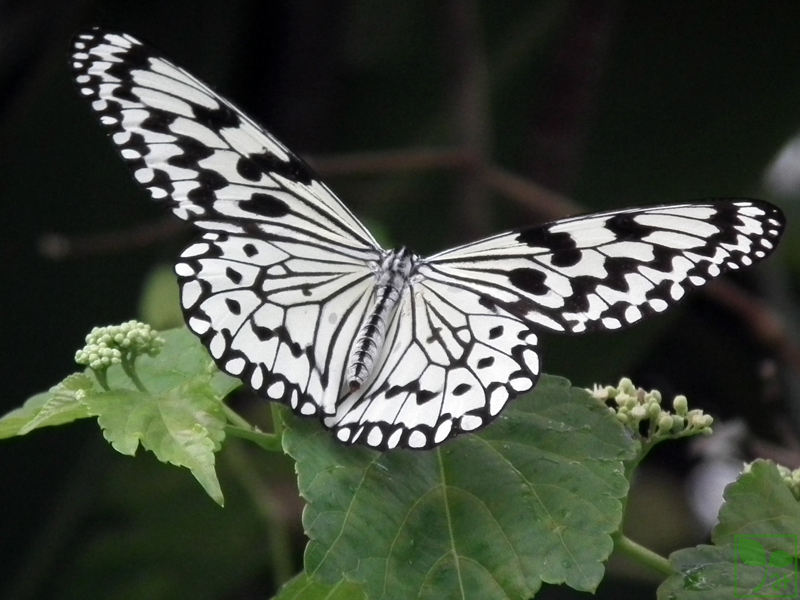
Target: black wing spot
233 306
625 227
249 250
265 205
495 332
486 362
124 92
292 169
565 252
192 150
568 257
263 333
159 121
488 302
211 180
248 169
528 280
461 389
544 237
233 275
424 396
395 390
136 57
216 119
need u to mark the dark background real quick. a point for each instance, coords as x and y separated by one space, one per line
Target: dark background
609 103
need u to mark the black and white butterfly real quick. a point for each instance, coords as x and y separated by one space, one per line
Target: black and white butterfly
292 294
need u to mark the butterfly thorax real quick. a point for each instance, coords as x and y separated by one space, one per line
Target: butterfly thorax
390 279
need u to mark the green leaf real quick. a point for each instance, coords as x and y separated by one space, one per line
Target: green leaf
302 587
60 405
179 418
756 544
713 573
183 426
532 498
758 504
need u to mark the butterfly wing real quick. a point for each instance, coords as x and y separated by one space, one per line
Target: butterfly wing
609 270
279 283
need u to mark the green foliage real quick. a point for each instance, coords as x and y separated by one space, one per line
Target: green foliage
537 497
755 544
533 498
304 587
172 408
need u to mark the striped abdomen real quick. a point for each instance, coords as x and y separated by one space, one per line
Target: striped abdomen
392 277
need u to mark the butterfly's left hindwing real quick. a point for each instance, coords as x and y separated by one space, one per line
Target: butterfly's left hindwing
450 365
281 286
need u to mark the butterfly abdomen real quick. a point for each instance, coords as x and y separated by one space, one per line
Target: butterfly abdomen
392 276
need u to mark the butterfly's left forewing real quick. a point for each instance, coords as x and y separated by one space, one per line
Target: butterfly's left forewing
609 270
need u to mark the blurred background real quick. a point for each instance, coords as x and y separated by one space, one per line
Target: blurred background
436 122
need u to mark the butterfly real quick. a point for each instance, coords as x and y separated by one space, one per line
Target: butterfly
293 295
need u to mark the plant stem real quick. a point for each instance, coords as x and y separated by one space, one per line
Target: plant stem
268 441
277 422
239 427
642 555
236 418
130 371
102 378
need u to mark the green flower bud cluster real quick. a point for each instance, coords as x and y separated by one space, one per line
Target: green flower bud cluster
631 406
106 346
790 478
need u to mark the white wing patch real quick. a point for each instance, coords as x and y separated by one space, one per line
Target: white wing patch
284 284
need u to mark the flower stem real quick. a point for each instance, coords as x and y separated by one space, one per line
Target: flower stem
642 555
239 427
130 371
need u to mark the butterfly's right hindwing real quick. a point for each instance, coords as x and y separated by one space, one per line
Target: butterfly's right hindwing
276 320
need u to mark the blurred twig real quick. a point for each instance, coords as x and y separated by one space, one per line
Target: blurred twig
764 324
559 133
470 98
57 246
389 161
